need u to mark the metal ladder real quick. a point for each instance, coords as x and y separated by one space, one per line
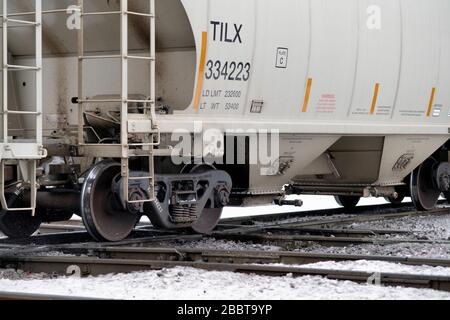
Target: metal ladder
25 153
130 123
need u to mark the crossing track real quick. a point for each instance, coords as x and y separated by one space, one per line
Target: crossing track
148 249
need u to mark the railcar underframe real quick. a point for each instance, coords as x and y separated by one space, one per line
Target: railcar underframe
106 155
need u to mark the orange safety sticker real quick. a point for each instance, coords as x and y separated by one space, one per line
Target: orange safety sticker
430 105
375 98
307 95
201 71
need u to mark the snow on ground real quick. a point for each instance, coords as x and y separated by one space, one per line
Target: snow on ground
309 203
418 250
379 266
305 219
424 227
212 244
188 283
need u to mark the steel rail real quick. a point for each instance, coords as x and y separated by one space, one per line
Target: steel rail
331 221
312 230
337 232
370 209
95 266
299 233
289 241
21 296
281 224
234 256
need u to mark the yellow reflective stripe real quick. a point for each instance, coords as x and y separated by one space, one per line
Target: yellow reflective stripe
430 105
307 95
375 98
201 71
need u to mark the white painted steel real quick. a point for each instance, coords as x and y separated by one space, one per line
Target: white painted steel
323 70
26 153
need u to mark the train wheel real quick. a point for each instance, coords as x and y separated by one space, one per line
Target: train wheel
104 217
208 221
395 201
348 202
18 224
423 193
210 216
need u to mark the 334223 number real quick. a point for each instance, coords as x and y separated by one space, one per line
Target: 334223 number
231 71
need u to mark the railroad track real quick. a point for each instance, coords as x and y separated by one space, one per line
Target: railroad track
102 261
369 210
19 296
285 230
365 213
50 228
289 234
242 257
281 232
236 228
289 242
362 217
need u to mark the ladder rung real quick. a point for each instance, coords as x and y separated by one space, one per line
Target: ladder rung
23 112
19 14
133 13
32 13
17 67
141 58
140 178
60 11
21 209
149 144
116 56
30 23
100 57
102 13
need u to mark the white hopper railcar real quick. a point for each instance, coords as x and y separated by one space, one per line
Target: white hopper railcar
112 109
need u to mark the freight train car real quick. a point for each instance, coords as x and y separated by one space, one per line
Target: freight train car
174 109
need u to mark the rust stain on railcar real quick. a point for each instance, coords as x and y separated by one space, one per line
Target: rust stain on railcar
140 25
49 40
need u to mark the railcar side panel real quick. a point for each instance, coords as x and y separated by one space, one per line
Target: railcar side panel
378 62
420 62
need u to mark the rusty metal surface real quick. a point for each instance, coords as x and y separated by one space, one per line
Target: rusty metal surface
237 257
19 296
285 233
361 210
96 266
290 241
126 256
